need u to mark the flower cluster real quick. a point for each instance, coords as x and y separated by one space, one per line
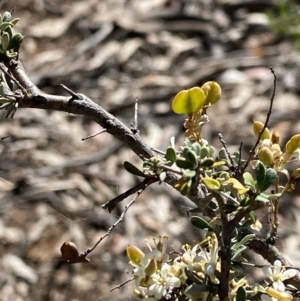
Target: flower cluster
194 275
277 275
154 277
269 151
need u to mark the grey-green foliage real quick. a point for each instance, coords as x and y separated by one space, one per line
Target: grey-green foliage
8 96
286 20
9 40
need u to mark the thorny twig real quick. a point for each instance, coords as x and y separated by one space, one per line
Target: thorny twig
82 257
122 284
120 219
110 205
134 125
72 93
251 152
94 135
226 149
4 69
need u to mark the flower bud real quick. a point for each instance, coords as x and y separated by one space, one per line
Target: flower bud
135 255
293 144
265 156
257 127
275 137
276 151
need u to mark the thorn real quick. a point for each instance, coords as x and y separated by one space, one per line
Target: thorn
94 135
72 93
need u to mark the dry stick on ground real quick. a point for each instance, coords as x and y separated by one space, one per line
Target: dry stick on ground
82 105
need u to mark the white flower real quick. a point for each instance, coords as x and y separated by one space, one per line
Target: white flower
278 275
211 258
160 250
162 281
187 257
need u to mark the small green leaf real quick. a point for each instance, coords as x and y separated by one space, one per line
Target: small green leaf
16 41
238 251
5 41
148 164
243 241
211 183
241 294
269 179
230 198
246 201
186 188
260 172
252 217
184 163
189 101
200 223
208 162
188 173
224 175
171 154
247 238
8 29
271 176
236 156
6 105
188 144
15 21
262 199
211 151
223 154
5 24
204 152
132 169
7 17
271 196
197 148
192 157
249 181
